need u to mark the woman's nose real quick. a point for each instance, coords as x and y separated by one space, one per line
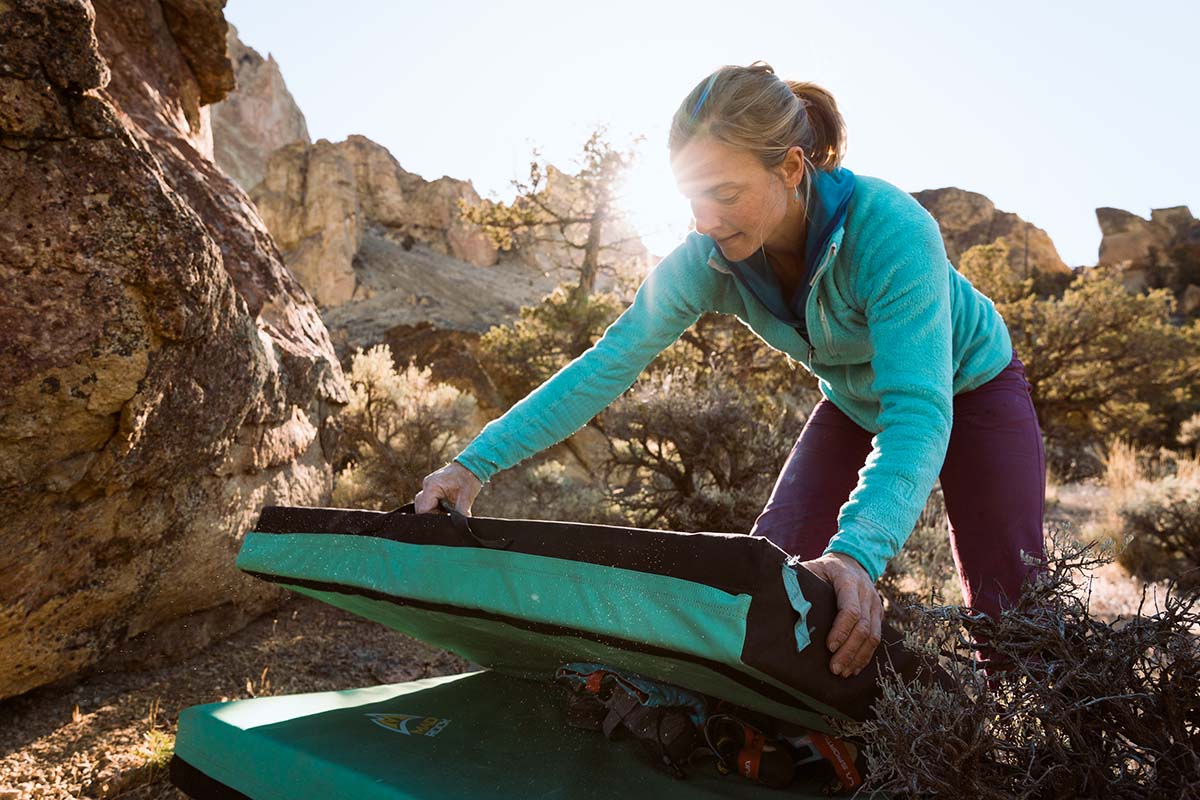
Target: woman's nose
705 220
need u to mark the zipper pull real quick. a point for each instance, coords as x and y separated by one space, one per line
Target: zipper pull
821 266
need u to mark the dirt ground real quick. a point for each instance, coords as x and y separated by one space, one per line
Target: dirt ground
110 735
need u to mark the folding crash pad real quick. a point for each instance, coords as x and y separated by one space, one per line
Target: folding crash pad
480 735
727 615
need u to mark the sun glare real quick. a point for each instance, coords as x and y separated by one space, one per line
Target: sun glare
657 211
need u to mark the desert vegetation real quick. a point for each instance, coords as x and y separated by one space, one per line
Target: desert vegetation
1069 706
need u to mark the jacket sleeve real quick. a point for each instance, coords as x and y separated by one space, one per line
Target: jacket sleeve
905 285
669 301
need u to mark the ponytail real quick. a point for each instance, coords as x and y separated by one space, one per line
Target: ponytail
828 142
752 109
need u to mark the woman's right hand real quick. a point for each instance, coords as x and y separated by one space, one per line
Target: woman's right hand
454 483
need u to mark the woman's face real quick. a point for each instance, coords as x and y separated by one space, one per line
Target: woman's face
734 198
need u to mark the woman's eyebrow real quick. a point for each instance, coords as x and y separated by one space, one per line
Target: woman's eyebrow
717 188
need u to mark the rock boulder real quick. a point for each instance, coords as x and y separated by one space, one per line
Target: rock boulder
162 376
969 218
1129 240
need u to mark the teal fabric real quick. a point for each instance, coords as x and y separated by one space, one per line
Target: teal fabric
534 655
493 736
895 331
673 613
801 606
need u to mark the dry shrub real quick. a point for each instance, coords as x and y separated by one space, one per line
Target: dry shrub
692 450
543 339
1162 529
699 442
397 428
1189 433
1086 709
1101 360
721 344
547 490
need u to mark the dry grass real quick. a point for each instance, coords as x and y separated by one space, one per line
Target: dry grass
1151 513
1124 474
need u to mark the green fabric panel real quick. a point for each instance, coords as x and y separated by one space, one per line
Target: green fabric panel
502 738
669 612
529 654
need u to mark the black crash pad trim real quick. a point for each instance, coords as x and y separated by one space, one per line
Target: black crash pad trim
200 785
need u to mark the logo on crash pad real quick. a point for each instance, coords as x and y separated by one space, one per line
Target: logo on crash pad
410 724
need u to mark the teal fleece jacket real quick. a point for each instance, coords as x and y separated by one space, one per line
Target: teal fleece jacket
894 332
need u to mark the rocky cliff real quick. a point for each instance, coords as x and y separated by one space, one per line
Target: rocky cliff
162 375
321 201
255 120
1161 251
1129 240
375 244
969 218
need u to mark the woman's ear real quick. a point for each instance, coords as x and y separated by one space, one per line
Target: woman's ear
793 165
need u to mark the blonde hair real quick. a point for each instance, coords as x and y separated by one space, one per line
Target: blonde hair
752 109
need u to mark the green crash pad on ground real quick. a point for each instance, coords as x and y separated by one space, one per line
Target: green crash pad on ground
479 735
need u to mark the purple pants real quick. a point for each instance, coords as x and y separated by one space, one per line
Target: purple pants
993 479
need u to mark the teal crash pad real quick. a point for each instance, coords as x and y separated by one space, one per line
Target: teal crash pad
482 734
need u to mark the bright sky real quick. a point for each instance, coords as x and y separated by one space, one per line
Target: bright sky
1049 109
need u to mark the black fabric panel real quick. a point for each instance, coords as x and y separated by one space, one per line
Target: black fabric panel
770 646
734 674
735 563
199 785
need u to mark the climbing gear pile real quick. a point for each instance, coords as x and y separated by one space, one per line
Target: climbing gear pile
679 729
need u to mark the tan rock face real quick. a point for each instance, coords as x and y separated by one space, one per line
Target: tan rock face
968 219
354 226
1189 303
318 201
309 201
256 119
162 376
412 286
1128 240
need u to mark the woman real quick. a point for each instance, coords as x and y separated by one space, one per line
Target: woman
847 275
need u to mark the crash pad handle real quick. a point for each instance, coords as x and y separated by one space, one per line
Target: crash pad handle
458 519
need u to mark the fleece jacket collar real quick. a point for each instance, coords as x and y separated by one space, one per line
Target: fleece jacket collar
829 201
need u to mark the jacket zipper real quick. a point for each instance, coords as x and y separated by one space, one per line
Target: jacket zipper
820 307
824 263
825 327
714 263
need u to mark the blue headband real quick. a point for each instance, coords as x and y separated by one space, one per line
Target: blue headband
703 96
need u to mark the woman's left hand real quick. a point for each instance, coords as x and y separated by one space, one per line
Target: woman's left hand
856 628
